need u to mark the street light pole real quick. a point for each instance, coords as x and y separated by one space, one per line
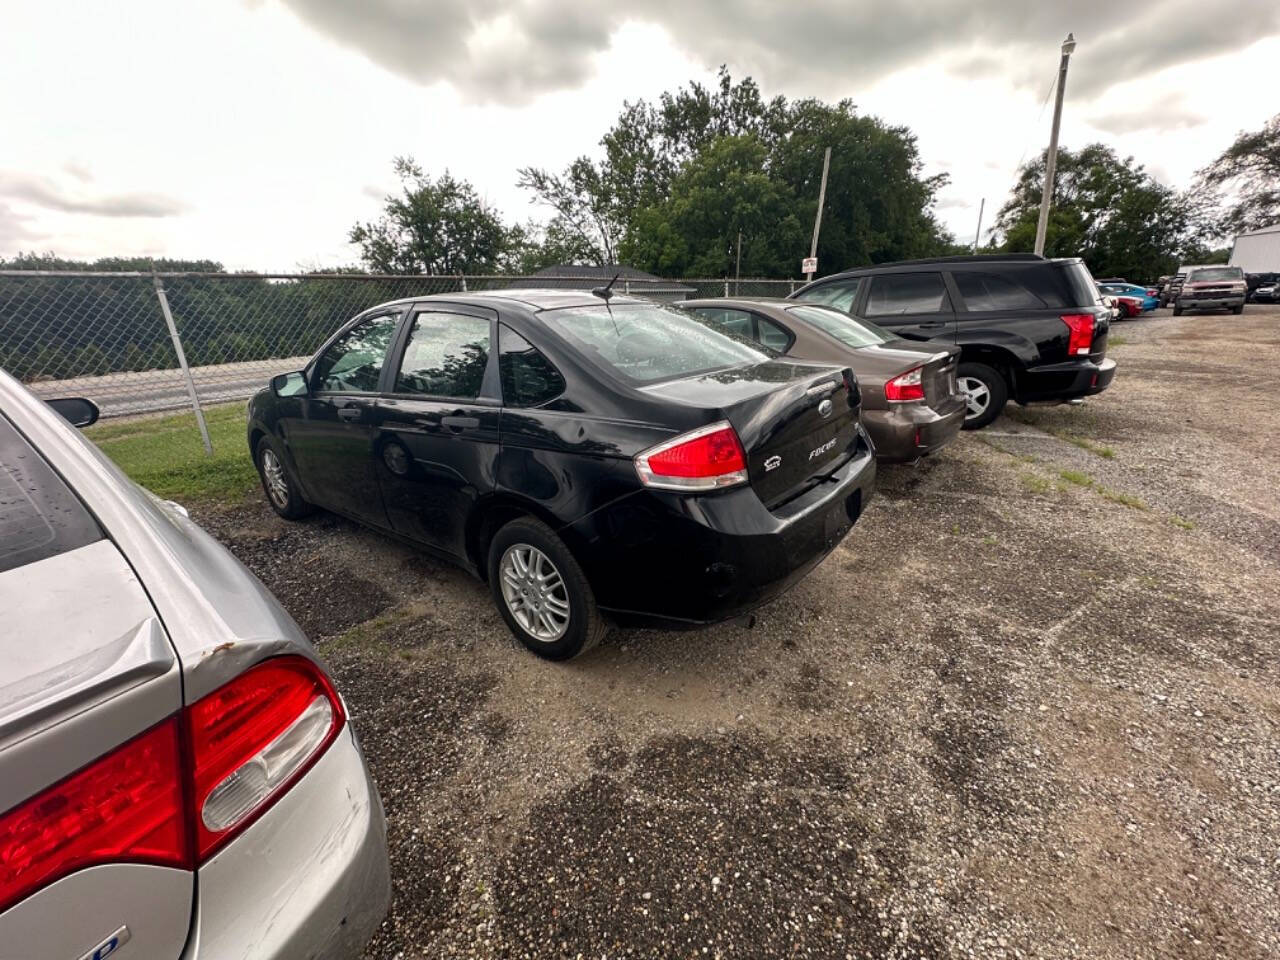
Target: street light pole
1051 158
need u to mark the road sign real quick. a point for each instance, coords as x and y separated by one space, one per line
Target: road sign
809 265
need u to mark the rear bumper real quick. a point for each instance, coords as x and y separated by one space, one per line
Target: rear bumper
308 879
1065 381
666 560
908 431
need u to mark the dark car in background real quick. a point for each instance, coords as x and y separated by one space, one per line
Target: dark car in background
1263 287
1029 329
911 404
595 460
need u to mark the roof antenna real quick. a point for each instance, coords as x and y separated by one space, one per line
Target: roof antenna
605 293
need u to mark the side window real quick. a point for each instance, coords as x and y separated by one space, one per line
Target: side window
39 516
528 378
902 293
990 291
773 336
353 363
445 356
842 294
736 323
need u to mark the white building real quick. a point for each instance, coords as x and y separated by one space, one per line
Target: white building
1258 251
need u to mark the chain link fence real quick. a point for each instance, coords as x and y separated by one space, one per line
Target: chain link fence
145 342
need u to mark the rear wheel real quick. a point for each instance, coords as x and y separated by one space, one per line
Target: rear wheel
279 486
985 391
541 591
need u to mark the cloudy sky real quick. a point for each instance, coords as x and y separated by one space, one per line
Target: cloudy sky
256 133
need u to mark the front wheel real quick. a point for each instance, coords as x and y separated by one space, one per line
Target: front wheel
541 591
280 488
985 393
1177 309
1238 310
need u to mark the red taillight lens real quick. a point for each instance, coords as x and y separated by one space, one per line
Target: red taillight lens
1153 293
704 459
250 739
905 387
1080 338
126 807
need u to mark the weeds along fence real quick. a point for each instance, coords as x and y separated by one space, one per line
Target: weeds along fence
143 342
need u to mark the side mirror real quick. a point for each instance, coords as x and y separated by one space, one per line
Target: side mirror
77 411
289 384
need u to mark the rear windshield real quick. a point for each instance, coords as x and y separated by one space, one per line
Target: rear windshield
855 333
646 342
1215 273
39 516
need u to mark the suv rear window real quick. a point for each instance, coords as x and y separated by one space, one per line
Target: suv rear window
647 342
1083 292
990 291
39 516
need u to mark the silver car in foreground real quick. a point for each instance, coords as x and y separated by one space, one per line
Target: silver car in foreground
178 778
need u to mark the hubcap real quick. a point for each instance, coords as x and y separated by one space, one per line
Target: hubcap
534 592
277 482
977 396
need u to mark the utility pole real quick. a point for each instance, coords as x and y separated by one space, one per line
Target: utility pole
737 272
817 220
1051 158
982 205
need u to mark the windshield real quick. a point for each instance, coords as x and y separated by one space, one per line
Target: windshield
855 333
1215 273
647 341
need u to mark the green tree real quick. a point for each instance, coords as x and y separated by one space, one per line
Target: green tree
1108 210
878 201
723 191
1248 172
434 226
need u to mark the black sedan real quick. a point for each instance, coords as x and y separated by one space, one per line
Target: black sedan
595 460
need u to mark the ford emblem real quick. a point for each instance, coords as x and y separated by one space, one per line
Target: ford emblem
824 408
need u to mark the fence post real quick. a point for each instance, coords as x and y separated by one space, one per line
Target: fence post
463 278
182 361
793 286
726 286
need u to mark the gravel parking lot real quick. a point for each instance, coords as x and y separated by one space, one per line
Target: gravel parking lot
1028 709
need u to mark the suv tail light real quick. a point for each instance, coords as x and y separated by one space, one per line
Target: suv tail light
905 387
1080 338
156 800
251 738
708 458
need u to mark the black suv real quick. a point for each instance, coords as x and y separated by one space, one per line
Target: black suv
1028 327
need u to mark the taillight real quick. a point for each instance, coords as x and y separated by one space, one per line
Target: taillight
1153 293
158 800
126 807
708 458
1080 338
251 738
905 387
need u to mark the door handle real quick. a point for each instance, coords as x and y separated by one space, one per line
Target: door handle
350 413
933 323
457 422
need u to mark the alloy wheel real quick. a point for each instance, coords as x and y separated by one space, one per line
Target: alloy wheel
534 592
977 396
277 482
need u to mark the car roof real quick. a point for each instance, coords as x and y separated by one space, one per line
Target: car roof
537 298
976 262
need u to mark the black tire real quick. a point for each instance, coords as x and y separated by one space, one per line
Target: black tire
1177 309
996 396
1238 310
585 627
289 502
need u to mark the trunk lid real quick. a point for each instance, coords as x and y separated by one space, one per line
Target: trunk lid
87 667
796 421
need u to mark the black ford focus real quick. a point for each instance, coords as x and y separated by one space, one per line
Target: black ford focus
596 461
